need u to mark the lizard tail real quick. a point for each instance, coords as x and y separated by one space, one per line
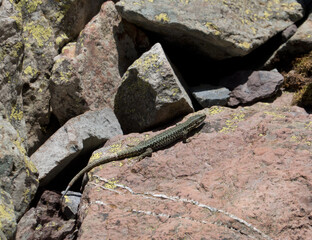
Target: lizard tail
66 190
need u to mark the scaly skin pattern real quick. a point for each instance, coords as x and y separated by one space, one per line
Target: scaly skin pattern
146 147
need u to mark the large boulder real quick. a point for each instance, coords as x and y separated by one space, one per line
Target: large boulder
45 26
11 55
18 177
245 175
87 73
151 93
78 136
220 29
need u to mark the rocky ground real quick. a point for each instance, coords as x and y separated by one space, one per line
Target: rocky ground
77 75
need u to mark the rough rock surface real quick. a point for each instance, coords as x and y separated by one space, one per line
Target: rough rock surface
221 29
208 95
151 93
11 49
45 28
250 86
70 204
18 176
87 73
8 218
79 135
245 175
299 43
44 221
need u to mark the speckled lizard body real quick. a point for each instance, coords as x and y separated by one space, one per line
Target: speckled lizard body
145 148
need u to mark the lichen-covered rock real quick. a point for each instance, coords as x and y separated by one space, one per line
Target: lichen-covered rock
250 86
44 221
78 136
7 216
221 29
87 74
11 54
45 28
18 176
151 93
245 175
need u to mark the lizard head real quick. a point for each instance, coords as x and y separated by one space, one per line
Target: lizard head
196 120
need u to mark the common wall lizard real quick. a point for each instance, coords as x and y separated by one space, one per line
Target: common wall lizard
145 148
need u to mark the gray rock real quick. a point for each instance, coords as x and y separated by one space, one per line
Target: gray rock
18 177
70 204
258 85
77 136
208 95
8 217
221 29
299 43
150 93
86 75
46 27
289 32
11 49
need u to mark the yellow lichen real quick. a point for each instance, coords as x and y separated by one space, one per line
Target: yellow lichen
30 71
60 39
111 184
215 110
185 1
67 199
96 156
213 28
162 17
245 45
64 76
6 211
16 114
115 147
38 228
39 32
16 48
274 114
31 5
26 195
231 124
30 165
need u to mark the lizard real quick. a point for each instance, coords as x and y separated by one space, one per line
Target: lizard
146 147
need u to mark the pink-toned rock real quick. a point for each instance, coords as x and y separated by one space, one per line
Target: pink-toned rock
87 73
245 175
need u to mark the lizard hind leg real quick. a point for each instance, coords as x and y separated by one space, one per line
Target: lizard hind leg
148 153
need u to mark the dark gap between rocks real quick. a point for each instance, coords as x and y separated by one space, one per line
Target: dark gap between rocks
48 130
61 180
199 69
